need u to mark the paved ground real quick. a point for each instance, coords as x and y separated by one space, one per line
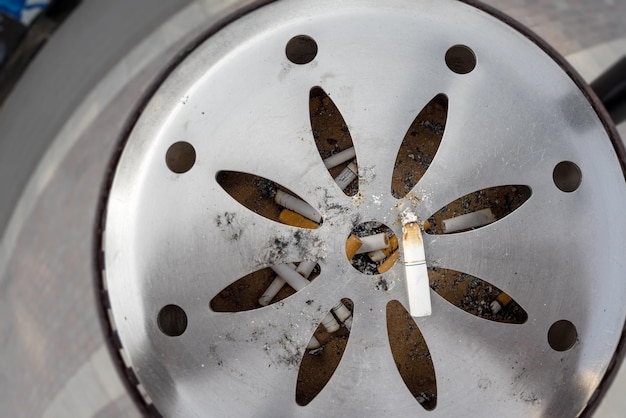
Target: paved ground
569 25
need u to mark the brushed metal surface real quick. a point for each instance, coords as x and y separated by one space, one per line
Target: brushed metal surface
244 107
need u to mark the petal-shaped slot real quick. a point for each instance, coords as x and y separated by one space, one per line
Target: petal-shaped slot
411 355
319 365
268 199
333 140
476 296
256 290
477 209
419 146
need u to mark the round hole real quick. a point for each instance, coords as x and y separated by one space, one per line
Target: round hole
372 248
567 176
180 157
460 59
301 49
172 320
562 335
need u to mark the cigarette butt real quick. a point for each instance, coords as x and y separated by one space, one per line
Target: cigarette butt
297 205
381 254
330 323
426 225
342 311
305 269
347 176
292 218
373 243
313 343
389 262
340 157
289 275
353 244
393 244
503 299
377 256
415 270
271 291
469 220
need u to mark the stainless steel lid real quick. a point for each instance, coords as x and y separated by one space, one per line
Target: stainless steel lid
240 103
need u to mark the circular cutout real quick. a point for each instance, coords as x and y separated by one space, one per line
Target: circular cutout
180 157
301 49
562 335
567 176
461 59
172 320
372 248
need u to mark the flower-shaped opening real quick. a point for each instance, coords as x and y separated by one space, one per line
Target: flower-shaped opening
273 284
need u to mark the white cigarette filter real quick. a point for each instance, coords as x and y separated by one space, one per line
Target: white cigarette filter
297 205
376 256
273 289
341 157
291 276
313 343
373 243
469 220
347 176
416 272
330 323
295 280
502 300
343 314
352 246
305 269
380 255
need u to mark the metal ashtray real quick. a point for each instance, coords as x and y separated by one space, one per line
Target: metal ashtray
459 133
